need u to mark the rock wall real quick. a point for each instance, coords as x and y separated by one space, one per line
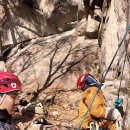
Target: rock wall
57 60
54 60
117 79
23 20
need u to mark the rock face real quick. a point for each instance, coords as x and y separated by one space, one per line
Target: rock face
117 79
44 62
58 51
25 21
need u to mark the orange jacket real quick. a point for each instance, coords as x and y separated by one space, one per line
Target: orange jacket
97 109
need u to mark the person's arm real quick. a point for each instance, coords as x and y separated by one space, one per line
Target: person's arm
98 107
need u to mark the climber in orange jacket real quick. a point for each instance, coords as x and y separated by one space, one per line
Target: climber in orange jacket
104 116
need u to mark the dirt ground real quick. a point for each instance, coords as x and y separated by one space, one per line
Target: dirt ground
60 110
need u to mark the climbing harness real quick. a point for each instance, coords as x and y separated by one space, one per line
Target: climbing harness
103 77
96 125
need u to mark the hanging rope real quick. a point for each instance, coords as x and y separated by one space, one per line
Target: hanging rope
126 54
122 74
103 77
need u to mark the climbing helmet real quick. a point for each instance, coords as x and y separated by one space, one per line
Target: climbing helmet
86 80
9 82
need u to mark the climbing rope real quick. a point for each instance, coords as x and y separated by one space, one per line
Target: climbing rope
122 74
126 53
104 76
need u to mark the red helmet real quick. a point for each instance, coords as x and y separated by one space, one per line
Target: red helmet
9 82
86 80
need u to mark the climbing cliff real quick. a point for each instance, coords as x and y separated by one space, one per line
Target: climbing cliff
112 33
49 43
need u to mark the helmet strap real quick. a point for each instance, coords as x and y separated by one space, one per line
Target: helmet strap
2 98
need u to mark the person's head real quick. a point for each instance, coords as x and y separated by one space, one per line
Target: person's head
10 85
86 80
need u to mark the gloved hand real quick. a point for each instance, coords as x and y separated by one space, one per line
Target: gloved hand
113 114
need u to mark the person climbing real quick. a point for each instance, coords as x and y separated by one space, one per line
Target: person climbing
99 116
10 85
